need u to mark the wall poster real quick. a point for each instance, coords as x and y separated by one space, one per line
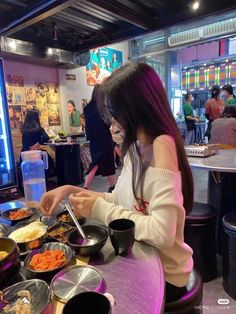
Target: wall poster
53 114
102 63
43 96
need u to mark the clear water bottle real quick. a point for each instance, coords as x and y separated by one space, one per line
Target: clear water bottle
33 173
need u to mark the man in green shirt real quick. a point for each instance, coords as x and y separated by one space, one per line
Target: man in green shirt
190 119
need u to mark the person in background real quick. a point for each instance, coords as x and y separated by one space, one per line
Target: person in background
190 119
82 123
117 138
227 91
101 144
223 130
33 135
155 188
214 108
74 116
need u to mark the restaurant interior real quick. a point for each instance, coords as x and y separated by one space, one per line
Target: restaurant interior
52 54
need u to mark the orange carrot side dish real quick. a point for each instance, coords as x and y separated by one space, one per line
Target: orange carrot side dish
47 260
20 213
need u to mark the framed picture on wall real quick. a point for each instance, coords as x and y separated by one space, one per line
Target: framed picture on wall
53 114
102 63
30 96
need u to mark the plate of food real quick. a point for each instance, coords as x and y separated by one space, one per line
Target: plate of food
49 259
65 217
27 297
29 236
58 232
18 214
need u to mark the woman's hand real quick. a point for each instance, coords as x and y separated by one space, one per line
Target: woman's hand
51 199
83 201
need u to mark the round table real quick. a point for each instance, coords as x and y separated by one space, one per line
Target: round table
136 281
223 161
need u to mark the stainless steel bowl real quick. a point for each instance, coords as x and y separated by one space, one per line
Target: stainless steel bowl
40 295
4 230
26 247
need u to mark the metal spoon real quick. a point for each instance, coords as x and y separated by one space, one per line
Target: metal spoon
67 206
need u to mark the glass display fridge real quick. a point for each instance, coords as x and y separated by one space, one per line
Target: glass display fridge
7 162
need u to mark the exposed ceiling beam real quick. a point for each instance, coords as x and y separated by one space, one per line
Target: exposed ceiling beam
121 12
18 2
38 13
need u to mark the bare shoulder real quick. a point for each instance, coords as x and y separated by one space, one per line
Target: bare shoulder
164 153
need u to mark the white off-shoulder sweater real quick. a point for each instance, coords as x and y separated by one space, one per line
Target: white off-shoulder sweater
163 224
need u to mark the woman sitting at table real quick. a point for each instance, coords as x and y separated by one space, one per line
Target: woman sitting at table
155 188
33 135
223 130
214 108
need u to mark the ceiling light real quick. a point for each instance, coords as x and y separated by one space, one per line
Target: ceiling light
204 64
195 5
12 44
227 60
49 51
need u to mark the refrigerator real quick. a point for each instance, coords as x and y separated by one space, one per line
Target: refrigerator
7 161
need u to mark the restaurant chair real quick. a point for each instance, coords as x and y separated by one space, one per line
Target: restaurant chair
190 302
229 254
200 235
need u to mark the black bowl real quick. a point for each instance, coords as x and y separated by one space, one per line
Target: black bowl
4 230
6 214
68 219
49 246
10 263
97 235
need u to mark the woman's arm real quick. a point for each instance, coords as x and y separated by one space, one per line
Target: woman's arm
159 227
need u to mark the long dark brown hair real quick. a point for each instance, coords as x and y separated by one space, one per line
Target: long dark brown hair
32 122
135 97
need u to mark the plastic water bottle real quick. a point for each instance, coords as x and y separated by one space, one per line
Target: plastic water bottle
33 174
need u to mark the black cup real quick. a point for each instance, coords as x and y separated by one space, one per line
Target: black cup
88 302
122 235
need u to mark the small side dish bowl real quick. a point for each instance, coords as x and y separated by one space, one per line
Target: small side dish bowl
27 245
11 214
45 262
4 230
65 217
38 292
96 237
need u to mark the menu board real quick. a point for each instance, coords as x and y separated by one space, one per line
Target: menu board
211 76
204 77
233 74
192 79
184 80
222 74
202 84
